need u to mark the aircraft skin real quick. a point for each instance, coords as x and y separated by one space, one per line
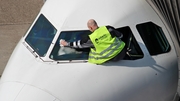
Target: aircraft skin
30 77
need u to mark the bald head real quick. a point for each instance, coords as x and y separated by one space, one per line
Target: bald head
92 25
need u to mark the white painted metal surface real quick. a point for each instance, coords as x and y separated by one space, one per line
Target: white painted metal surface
152 78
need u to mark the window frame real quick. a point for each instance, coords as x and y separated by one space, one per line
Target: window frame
34 39
133 50
159 43
85 51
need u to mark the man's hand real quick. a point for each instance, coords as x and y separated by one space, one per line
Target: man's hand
63 42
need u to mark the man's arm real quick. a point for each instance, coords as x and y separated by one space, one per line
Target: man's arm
114 32
84 43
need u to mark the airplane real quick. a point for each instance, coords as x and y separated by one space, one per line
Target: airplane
39 69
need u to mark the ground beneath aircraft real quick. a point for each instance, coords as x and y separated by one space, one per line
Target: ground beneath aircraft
15 18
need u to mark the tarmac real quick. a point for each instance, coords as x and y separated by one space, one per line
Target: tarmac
16 17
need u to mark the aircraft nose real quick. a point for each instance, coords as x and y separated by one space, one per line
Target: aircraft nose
14 91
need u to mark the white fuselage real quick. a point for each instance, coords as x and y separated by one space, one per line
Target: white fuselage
151 78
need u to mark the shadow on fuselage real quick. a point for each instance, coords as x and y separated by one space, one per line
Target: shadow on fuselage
146 61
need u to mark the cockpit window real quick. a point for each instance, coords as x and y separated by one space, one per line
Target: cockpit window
133 50
68 53
41 35
154 38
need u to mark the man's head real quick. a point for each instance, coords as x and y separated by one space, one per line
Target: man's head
92 25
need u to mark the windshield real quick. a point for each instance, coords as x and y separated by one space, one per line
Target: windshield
41 35
68 53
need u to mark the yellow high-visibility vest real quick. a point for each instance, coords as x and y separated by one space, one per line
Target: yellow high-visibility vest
106 47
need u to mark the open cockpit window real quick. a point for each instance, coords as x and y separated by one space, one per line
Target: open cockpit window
133 50
68 53
41 35
154 38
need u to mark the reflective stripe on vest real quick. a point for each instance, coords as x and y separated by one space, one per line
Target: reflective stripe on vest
116 43
104 51
107 55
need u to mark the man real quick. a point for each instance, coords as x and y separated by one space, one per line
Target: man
104 41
